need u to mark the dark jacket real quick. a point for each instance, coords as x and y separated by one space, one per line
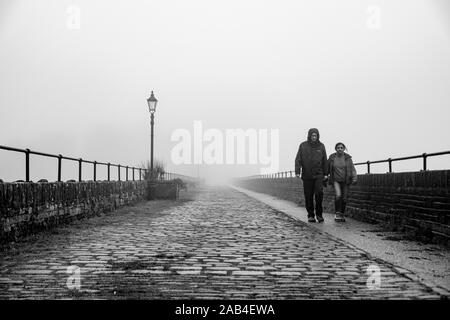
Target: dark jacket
350 171
311 158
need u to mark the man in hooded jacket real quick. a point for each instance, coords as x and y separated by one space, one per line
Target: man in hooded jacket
311 161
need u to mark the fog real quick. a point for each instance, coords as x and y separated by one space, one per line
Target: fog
75 76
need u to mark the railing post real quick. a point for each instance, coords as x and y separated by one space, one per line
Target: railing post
390 165
95 170
59 167
80 163
368 167
133 173
424 155
118 172
140 174
126 173
109 167
27 165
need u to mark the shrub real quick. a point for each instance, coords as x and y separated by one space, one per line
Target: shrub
158 170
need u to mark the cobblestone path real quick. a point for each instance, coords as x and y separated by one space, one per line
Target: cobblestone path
222 244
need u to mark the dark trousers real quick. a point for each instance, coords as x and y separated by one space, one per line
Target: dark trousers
313 189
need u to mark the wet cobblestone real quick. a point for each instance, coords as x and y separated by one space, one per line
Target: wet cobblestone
222 244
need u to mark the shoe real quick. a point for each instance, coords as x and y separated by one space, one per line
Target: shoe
311 219
320 219
338 217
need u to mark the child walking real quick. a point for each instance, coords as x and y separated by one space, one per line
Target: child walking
342 175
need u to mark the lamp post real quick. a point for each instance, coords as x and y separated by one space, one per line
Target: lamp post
152 101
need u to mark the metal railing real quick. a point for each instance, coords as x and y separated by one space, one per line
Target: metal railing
172 176
80 161
141 171
282 174
424 156
291 174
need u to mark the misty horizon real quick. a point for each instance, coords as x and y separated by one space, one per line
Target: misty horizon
371 74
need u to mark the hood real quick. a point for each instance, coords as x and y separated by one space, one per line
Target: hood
311 131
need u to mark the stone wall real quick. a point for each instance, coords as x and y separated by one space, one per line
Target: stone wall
162 190
26 207
418 202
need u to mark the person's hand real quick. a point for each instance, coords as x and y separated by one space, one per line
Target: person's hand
297 175
325 178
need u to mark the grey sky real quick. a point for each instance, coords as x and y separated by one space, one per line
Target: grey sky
287 65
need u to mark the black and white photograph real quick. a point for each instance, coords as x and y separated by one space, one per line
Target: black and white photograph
225 158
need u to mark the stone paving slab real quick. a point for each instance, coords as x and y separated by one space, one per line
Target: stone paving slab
429 262
222 245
